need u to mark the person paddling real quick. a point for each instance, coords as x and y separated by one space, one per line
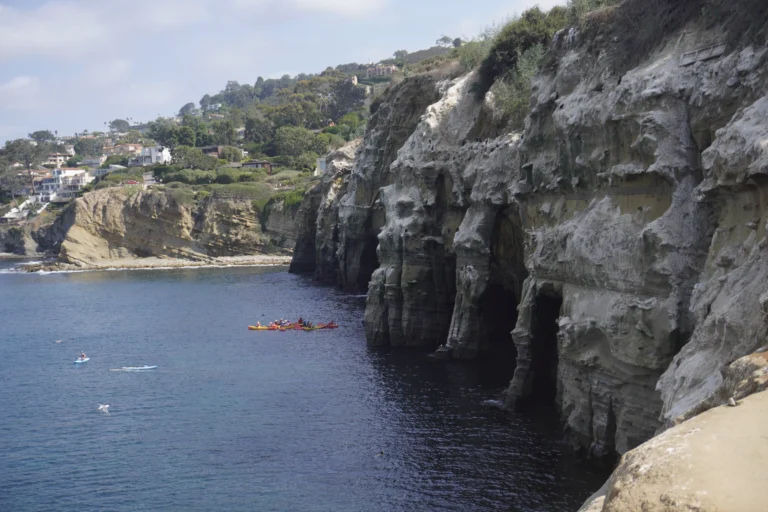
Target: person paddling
82 355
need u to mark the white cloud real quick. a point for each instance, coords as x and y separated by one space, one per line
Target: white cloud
56 29
20 93
344 8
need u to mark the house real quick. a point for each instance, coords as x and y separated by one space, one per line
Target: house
57 159
214 151
151 155
241 132
353 80
258 164
381 70
123 149
69 149
63 185
93 161
101 171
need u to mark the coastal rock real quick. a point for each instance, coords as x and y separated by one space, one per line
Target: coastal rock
620 237
318 218
360 212
126 224
710 463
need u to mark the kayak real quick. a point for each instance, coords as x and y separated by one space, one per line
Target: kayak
270 328
132 368
79 361
254 328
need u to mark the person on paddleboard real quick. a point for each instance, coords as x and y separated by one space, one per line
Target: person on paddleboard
82 355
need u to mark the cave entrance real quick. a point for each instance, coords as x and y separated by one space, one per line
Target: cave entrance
506 275
544 347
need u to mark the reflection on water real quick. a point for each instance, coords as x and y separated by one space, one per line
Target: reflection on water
239 420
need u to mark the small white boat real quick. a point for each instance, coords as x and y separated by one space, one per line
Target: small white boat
81 360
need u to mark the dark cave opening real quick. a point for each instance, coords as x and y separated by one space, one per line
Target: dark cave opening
544 348
507 273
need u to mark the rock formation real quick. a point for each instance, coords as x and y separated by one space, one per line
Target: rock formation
361 215
119 224
711 463
318 218
621 237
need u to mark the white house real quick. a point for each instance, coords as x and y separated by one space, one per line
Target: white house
151 155
64 185
57 159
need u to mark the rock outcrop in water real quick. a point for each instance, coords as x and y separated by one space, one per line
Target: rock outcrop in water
125 224
621 238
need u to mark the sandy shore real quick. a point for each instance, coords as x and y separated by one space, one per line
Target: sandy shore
164 263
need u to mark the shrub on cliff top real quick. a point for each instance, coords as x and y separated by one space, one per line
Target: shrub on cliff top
534 27
253 191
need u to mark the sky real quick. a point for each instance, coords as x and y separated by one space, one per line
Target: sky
72 65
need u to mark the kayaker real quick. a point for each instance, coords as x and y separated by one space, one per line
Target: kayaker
258 324
301 321
82 355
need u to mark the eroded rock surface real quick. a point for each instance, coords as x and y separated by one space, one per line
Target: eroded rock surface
120 224
713 462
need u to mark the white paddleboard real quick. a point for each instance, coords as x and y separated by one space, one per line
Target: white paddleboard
78 360
132 368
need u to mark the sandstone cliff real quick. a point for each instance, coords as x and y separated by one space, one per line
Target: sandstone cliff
621 237
126 224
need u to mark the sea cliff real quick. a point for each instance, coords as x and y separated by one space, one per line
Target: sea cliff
616 246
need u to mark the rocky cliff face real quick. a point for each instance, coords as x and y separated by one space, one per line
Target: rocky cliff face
360 212
318 226
118 224
621 237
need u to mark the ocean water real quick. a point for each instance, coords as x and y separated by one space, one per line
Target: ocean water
255 421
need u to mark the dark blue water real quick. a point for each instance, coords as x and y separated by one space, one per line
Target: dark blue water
239 420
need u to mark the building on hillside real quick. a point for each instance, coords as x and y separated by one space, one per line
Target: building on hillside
353 80
57 159
241 132
381 70
151 155
102 171
258 164
93 161
214 151
63 185
123 149
69 149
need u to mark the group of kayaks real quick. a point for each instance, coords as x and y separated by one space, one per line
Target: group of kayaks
293 327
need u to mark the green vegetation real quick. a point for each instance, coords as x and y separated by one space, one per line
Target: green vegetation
513 92
534 27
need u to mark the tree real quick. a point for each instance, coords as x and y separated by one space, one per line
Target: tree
27 154
346 98
457 42
205 102
88 147
293 141
133 136
258 129
445 41
119 125
401 54
231 154
321 143
42 136
186 136
187 109
193 158
224 132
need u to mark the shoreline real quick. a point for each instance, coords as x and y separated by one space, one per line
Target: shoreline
260 260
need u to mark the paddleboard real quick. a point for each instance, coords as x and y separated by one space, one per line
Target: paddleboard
78 360
132 368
